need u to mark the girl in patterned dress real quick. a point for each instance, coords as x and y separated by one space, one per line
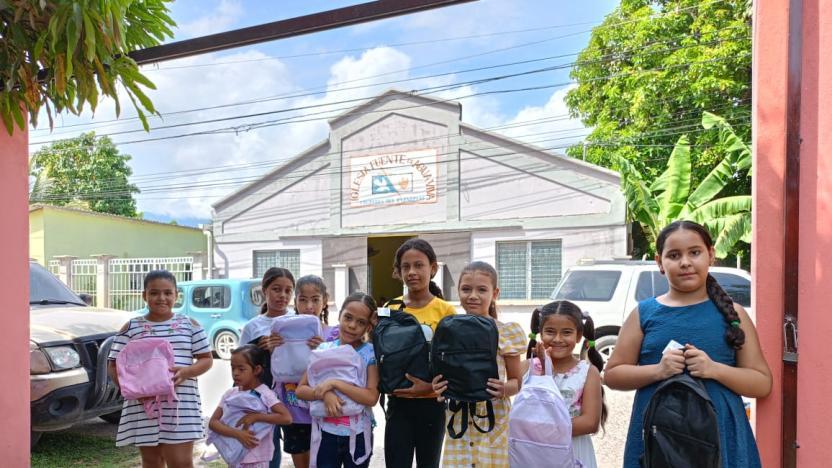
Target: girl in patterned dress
478 293
561 325
167 440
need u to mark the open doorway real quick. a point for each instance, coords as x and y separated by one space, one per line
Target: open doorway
381 251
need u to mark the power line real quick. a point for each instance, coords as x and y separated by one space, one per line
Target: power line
223 169
432 64
335 112
242 180
605 59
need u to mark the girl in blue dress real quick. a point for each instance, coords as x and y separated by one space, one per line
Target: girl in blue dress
720 345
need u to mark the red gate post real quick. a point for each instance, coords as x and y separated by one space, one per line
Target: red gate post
14 294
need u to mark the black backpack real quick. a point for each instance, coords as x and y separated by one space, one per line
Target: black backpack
680 426
464 351
400 347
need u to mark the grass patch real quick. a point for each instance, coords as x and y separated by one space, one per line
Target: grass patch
59 449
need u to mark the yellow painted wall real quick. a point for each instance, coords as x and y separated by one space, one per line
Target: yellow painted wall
36 248
83 234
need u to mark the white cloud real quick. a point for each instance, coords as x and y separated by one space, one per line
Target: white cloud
220 19
550 125
224 156
218 85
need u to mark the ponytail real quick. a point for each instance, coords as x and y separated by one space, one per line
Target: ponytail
492 310
734 335
435 290
535 327
589 343
325 314
594 358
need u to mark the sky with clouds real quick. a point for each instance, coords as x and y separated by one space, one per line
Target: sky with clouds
204 147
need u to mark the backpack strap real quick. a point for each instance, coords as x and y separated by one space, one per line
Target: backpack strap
458 407
396 302
382 399
314 443
489 415
368 449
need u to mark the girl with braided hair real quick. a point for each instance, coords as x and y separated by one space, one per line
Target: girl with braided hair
720 345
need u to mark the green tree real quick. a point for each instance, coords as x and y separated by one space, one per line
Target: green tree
62 55
85 172
669 197
648 73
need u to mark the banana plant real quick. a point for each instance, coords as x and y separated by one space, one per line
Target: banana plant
669 197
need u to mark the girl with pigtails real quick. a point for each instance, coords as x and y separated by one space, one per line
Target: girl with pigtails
557 328
717 343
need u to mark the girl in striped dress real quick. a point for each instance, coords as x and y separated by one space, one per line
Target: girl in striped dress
168 439
478 293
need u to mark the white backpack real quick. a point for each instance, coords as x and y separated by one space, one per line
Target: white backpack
290 359
234 408
539 425
345 364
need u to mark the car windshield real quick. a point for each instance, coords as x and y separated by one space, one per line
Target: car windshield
45 288
588 285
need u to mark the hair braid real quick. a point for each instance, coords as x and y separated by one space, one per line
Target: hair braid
735 336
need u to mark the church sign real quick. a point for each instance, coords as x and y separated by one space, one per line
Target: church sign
401 178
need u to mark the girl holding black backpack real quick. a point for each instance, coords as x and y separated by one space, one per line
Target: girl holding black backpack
695 328
478 293
415 420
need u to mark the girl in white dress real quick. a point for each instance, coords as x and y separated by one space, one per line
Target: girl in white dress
559 326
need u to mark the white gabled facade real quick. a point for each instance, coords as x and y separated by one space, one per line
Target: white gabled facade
403 165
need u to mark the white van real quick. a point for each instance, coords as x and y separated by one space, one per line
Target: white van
608 290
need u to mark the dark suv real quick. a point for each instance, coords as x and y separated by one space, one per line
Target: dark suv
68 347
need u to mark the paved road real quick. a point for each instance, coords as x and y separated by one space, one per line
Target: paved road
609 445
214 383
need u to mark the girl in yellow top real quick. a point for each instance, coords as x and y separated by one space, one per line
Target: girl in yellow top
415 420
478 294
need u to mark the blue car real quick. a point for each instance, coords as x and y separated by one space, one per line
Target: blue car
221 306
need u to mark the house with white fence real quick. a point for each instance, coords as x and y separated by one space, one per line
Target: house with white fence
106 256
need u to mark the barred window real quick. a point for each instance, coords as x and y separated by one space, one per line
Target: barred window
265 259
528 270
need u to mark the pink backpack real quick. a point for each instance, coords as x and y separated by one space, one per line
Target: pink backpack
539 425
345 364
143 367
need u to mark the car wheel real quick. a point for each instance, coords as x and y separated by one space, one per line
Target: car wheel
112 418
224 343
606 345
34 438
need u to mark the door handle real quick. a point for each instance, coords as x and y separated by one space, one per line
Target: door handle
216 315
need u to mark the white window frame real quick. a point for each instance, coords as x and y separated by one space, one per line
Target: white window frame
528 243
276 253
